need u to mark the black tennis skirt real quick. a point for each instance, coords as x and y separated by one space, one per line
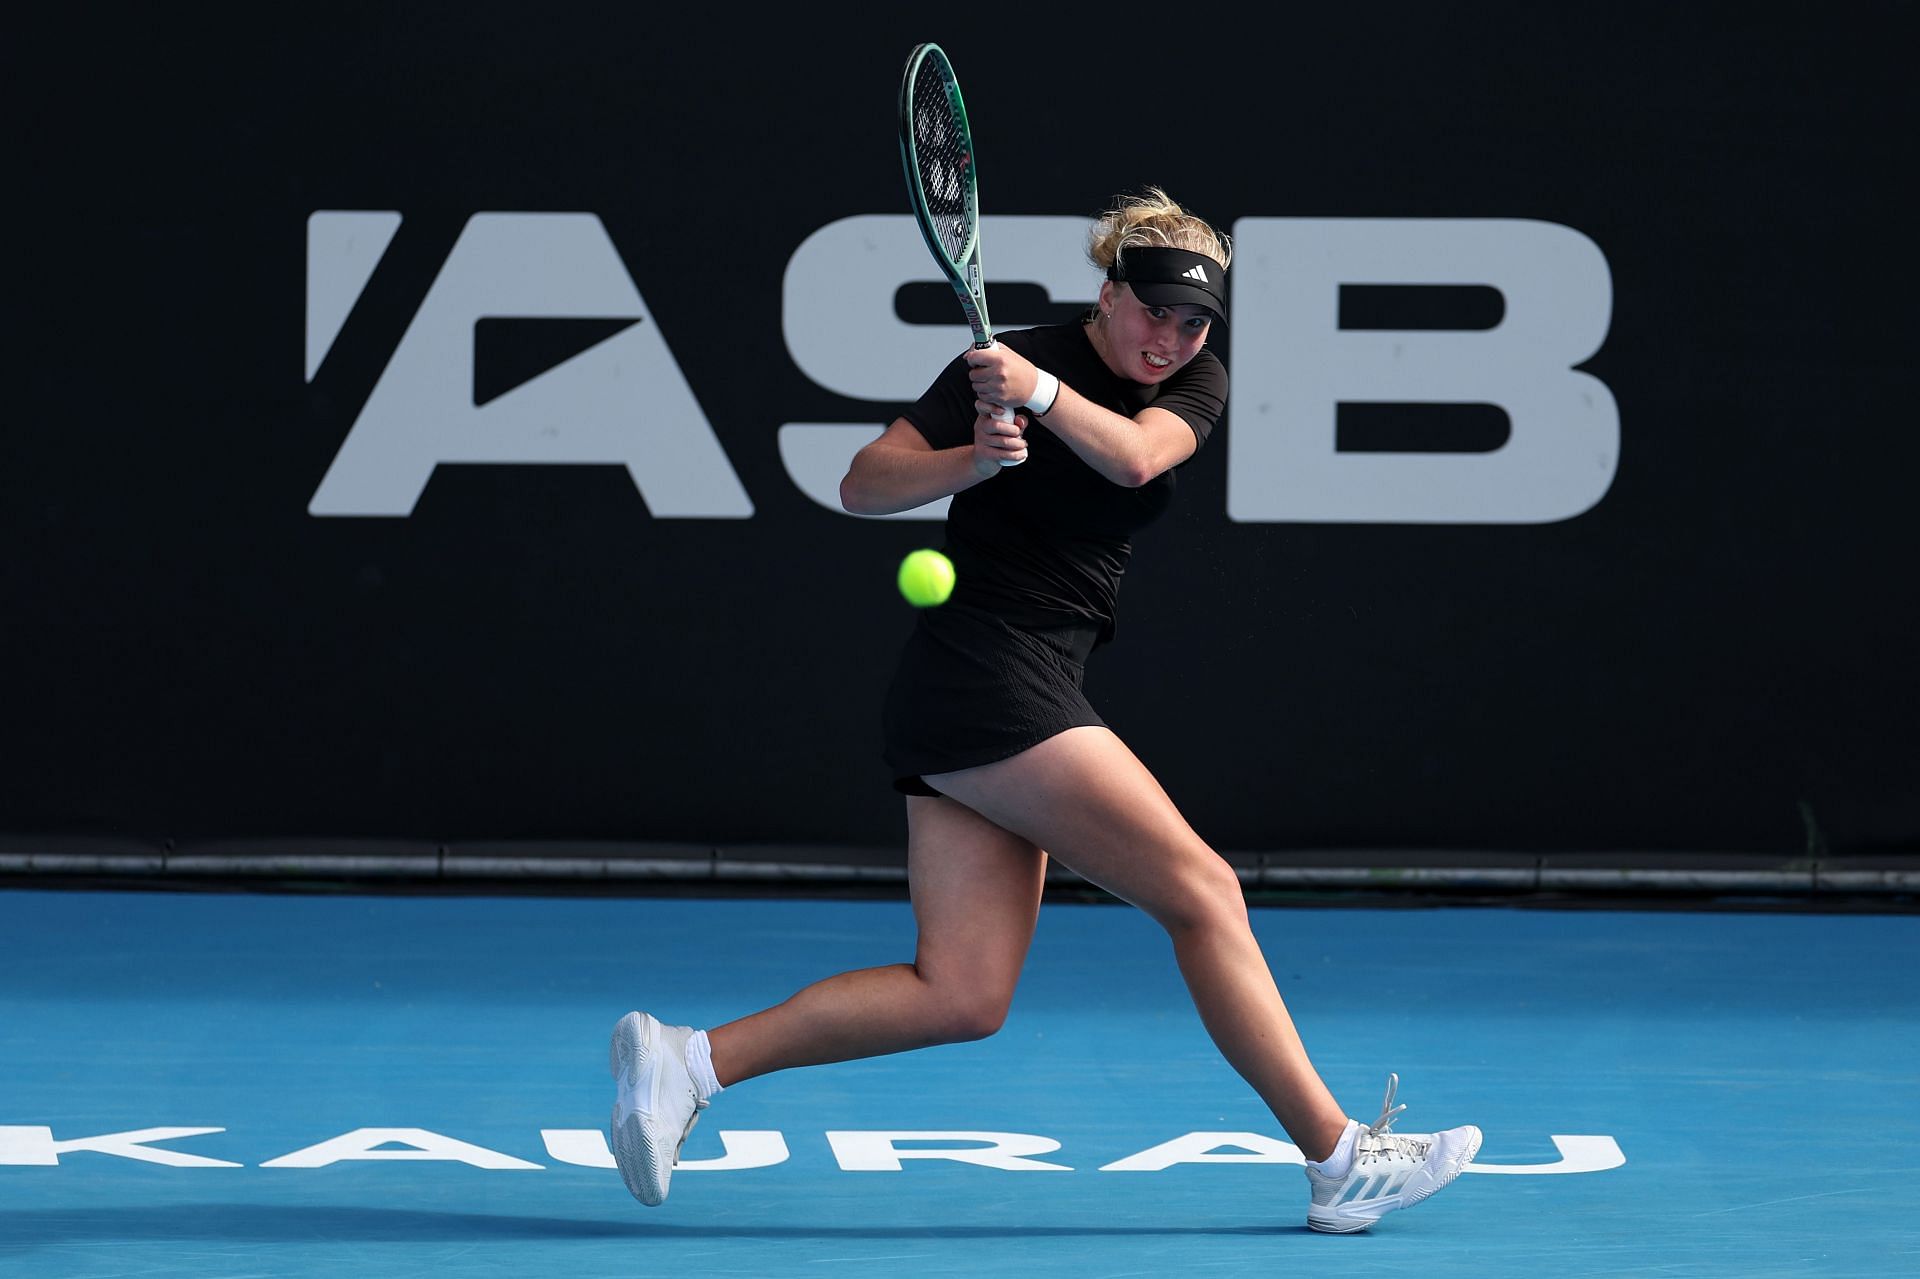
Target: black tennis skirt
971 689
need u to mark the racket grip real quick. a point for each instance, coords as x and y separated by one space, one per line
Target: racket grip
1001 413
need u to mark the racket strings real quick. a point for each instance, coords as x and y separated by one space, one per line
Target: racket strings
942 161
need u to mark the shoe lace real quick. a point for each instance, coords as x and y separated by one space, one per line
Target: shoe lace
1379 1142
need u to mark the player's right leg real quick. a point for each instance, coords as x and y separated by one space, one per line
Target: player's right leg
976 895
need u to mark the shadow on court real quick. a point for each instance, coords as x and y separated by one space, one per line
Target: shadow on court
293 1223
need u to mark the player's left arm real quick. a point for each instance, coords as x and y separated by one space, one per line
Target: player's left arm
1128 451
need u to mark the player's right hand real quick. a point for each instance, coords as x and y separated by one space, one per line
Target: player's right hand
996 443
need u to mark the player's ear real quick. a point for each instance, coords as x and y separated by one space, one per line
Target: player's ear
1106 297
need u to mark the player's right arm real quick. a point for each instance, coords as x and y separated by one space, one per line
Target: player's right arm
900 470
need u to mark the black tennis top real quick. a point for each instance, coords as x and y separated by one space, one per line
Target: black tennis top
1045 543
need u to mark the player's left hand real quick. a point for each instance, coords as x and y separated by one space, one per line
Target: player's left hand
1001 375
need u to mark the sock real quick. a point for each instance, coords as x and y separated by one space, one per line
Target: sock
1340 1162
700 1065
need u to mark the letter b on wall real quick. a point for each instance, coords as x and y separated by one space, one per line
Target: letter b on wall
1293 365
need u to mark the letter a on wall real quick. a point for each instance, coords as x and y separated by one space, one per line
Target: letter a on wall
622 401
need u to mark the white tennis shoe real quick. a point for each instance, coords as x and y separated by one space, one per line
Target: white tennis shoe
1389 1170
655 1104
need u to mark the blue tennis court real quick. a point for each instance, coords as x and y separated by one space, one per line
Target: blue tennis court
234 1084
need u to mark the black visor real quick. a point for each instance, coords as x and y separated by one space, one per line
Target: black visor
1173 277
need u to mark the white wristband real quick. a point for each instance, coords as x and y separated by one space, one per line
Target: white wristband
1045 391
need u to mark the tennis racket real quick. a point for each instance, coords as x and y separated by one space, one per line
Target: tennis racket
936 147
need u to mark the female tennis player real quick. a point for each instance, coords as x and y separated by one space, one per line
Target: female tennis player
1002 760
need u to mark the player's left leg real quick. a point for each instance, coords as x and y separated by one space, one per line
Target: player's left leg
1102 814
1084 797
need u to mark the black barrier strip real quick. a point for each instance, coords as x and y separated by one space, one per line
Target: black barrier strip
1519 874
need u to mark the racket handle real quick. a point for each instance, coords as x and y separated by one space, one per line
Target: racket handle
1001 413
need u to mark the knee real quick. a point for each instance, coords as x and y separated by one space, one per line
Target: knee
975 1023
960 1018
1205 895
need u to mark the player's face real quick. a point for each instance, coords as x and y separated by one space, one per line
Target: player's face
1150 343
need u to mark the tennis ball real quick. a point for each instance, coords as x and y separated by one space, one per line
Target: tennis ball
926 578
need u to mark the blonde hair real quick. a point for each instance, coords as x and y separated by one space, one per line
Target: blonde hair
1153 220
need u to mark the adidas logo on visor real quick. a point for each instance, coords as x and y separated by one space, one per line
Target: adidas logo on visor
1197 273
